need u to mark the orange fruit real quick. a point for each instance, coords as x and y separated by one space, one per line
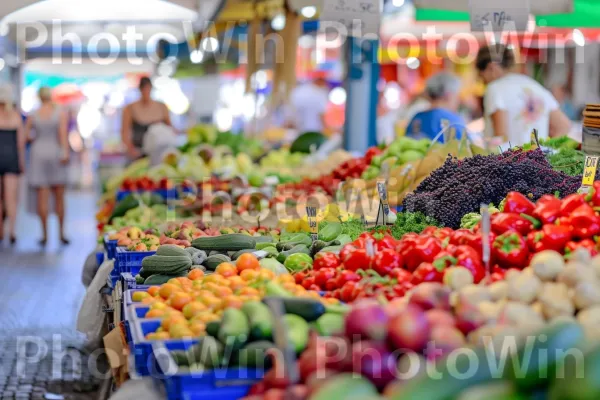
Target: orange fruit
155 313
266 274
233 302
158 305
236 283
162 336
249 275
168 289
214 278
139 296
286 278
167 321
222 291
211 301
248 291
198 328
180 330
153 291
196 274
179 300
226 269
148 300
185 282
205 318
247 261
193 308
174 281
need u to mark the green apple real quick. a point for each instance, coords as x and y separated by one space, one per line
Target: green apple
376 161
410 155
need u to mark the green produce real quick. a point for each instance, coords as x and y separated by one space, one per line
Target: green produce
139 279
568 161
297 331
580 379
330 324
341 309
348 386
181 358
208 352
353 228
212 328
305 141
330 232
309 309
331 249
298 249
271 251
264 239
128 203
298 262
144 274
319 245
411 222
468 221
562 142
300 238
159 279
502 390
273 265
539 361
231 242
172 250
235 328
261 245
261 322
274 289
171 265
212 262
255 355
343 239
238 253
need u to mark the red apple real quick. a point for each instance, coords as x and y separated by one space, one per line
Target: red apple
468 319
366 320
430 295
409 330
446 338
440 317
374 361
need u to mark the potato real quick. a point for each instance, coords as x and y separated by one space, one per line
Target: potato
457 277
547 265
576 272
517 313
499 290
555 300
562 319
582 256
525 288
493 335
586 294
595 264
473 294
512 274
589 316
490 310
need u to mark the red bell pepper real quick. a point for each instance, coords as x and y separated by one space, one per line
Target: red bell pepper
372 152
475 241
428 272
510 250
429 230
469 258
551 237
385 241
585 222
424 249
547 209
517 203
443 233
587 244
594 195
504 222
458 236
326 260
385 261
571 203
446 257
358 259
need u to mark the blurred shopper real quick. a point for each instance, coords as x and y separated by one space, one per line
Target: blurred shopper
12 159
308 104
514 103
139 116
443 91
562 95
48 170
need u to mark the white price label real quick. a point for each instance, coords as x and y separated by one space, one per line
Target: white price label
499 16
360 17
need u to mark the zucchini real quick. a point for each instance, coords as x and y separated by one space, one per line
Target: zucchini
343 239
212 328
271 251
144 274
159 279
166 264
208 352
330 232
172 250
297 249
128 203
261 322
317 246
231 242
235 329
198 256
309 309
263 239
298 332
261 246
212 262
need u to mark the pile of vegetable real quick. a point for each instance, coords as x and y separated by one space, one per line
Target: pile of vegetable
461 186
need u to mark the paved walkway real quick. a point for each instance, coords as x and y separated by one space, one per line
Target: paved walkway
40 295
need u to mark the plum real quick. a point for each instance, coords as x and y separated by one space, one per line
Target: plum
409 330
440 317
374 361
430 295
366 320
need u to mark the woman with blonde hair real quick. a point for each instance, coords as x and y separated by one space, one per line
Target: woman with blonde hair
12 158
49 158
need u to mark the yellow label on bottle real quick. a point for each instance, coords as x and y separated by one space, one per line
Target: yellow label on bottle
589 170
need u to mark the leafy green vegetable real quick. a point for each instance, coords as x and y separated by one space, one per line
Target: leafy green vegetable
353 228
411 222
567 161
469 220
562 142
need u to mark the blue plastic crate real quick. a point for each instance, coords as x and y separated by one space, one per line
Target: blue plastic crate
221 383
130 261
99 258
110 246
166 194
127 300
129 282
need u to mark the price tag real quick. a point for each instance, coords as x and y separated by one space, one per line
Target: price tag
589 172
384 207
311 213
360 17
499 16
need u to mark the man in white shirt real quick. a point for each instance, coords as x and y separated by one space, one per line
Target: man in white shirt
308 104
515 104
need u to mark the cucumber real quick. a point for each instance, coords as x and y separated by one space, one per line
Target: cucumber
271 251
317 246
144 274
235 328
231 242
171 250
263 239
255 355
261 246
538 361
297 332
212 328
261 323
167 264
330 232
159 279
301 248
309 309
212 262
337 309
208 352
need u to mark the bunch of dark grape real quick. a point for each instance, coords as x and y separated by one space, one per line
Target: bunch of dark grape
460 186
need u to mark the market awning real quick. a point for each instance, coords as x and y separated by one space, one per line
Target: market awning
586 13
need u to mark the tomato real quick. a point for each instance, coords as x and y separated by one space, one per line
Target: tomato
401 275
347 276
226 269
323 276
387 242
349 292
308 282
299 277
326 260
358 259
385 261
314 287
